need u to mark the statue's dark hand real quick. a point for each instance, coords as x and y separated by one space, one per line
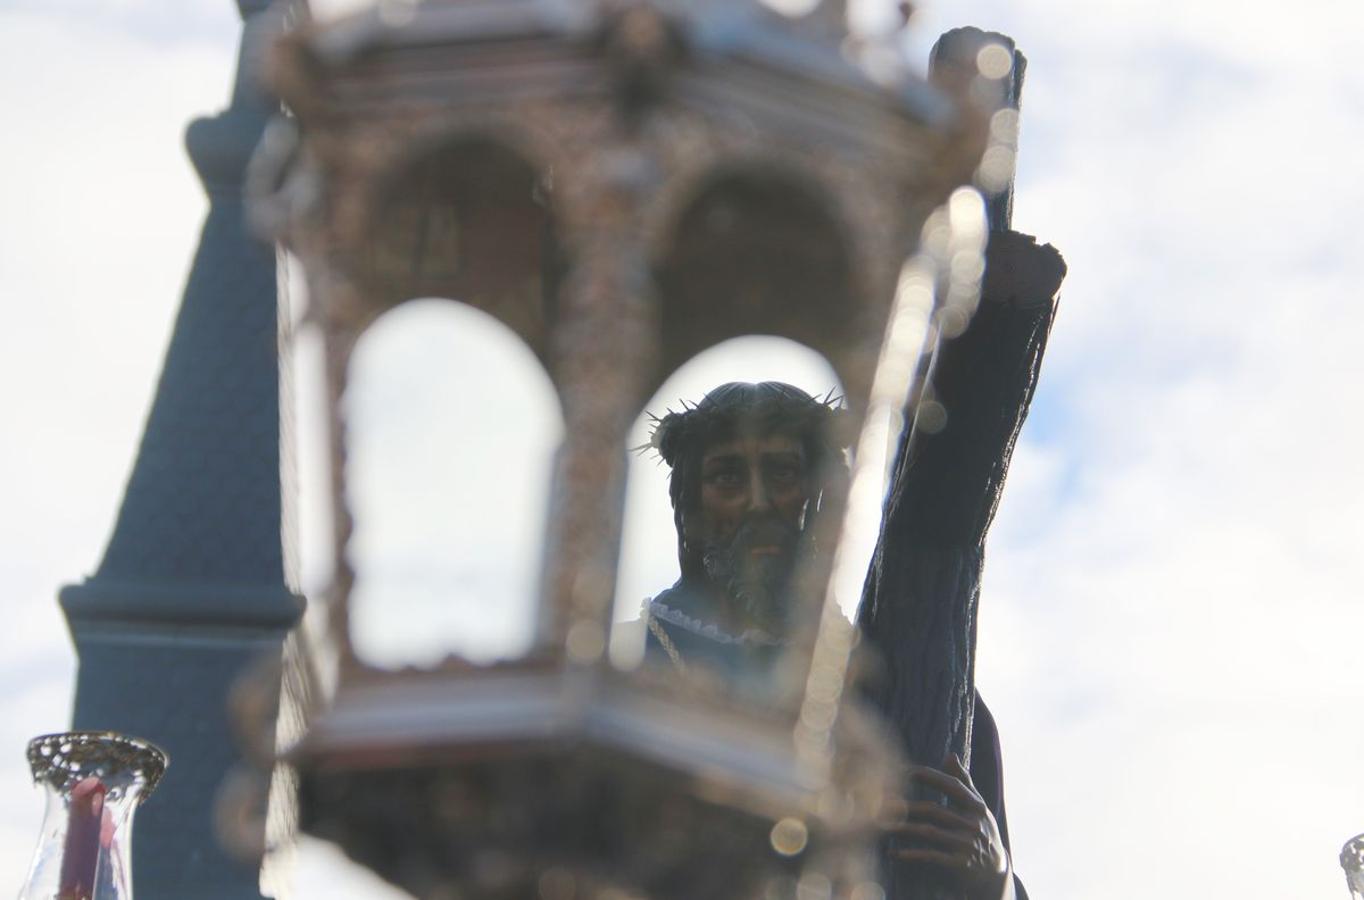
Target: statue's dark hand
962 837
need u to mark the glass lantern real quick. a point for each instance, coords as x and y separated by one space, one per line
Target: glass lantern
94 782
1352 861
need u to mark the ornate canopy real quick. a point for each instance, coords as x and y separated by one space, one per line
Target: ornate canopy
623 185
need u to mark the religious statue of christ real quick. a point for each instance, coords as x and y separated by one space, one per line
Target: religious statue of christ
752 466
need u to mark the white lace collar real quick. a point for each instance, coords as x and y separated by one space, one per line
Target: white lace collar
750 637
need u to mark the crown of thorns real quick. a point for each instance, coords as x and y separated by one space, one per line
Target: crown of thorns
766 406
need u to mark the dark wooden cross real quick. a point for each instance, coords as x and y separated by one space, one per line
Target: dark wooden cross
919 606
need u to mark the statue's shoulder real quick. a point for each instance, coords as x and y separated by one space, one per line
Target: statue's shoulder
669 609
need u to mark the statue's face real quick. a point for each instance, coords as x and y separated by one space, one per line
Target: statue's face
753 476
754 492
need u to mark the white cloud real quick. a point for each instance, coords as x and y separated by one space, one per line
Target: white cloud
1171 597
101 215
158 24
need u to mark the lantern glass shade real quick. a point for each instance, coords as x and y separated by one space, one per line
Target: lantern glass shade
1352 861
93 783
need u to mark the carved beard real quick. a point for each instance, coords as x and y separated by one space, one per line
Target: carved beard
756 586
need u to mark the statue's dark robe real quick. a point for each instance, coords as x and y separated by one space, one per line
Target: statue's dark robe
987 763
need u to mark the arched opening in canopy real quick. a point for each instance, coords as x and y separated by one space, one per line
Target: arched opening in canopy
650 543
451 426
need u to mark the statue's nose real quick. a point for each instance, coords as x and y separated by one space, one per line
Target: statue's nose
758 499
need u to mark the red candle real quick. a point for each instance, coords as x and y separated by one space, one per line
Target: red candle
80 854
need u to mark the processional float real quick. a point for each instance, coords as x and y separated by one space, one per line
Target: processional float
622 185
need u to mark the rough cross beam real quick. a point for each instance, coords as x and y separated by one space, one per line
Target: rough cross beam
920 602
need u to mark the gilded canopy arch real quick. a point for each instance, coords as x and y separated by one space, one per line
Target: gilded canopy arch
458 208
854 238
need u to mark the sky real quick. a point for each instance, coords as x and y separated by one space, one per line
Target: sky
1170 620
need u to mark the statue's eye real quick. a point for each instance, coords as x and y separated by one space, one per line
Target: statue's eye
725 477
